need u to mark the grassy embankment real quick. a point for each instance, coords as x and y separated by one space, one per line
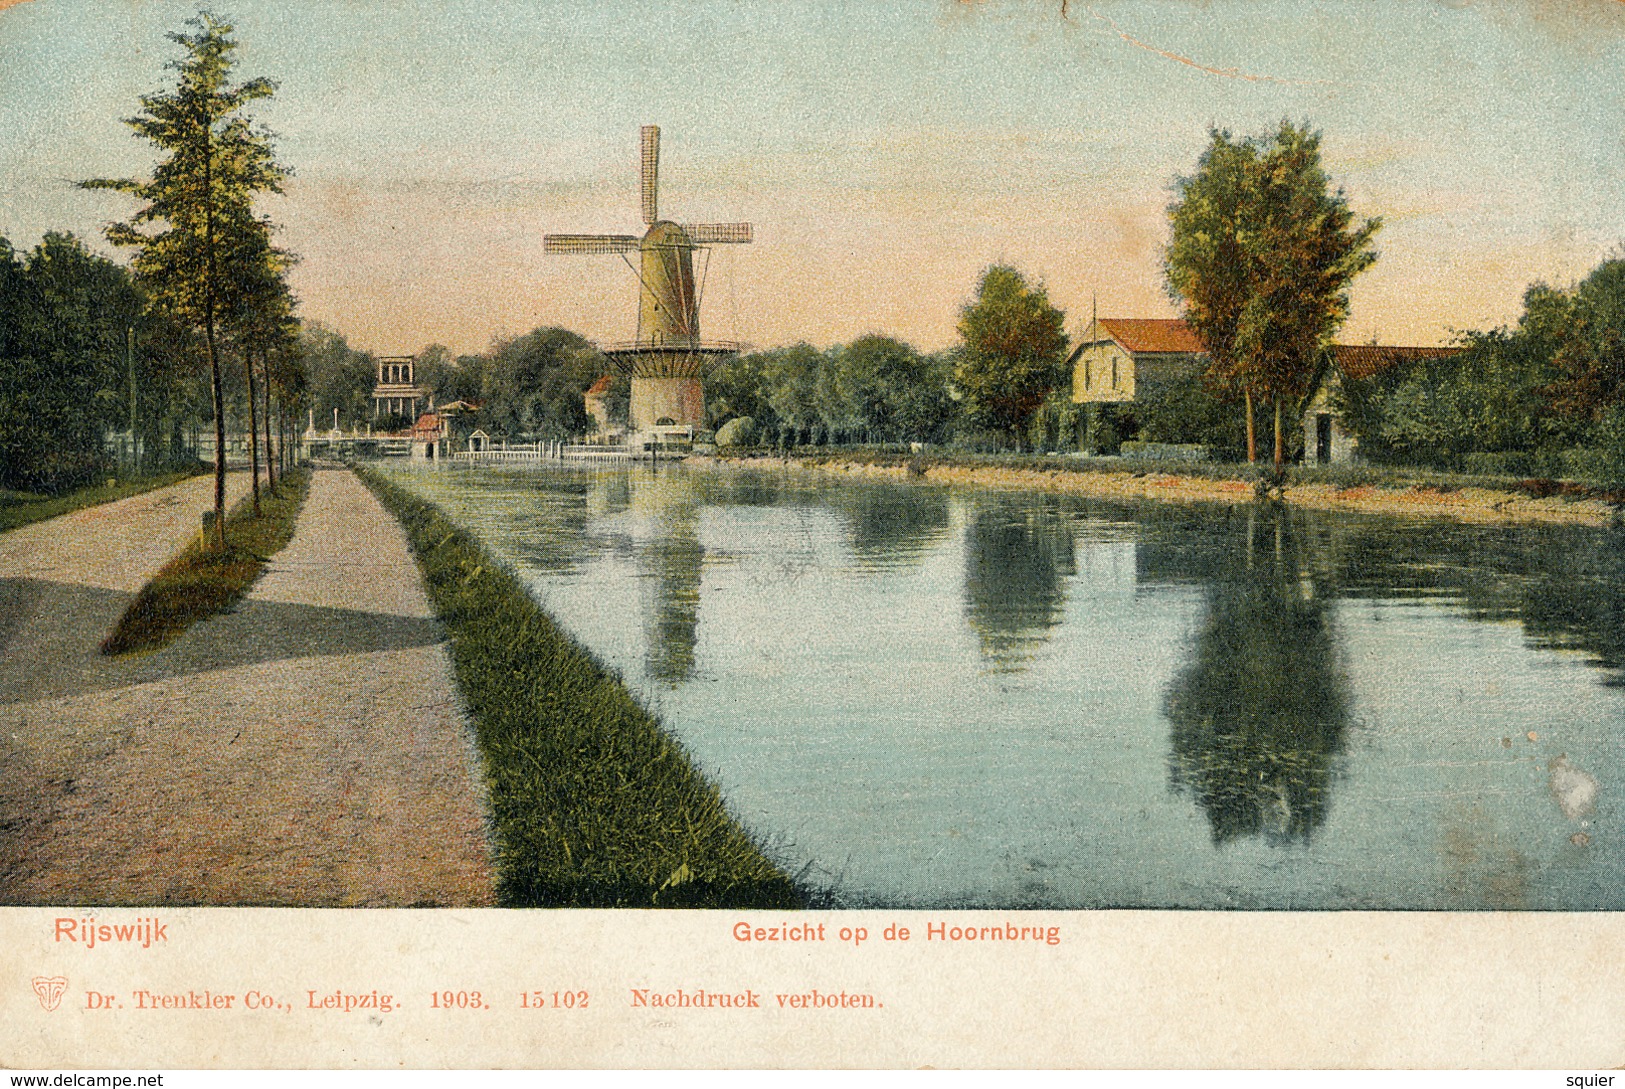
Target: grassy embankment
1359 487
1353 475
202 582
24 508
595 805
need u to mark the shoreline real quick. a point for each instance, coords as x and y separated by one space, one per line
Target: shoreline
1415 499
592 801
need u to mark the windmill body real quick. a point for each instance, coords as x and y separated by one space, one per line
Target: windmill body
668 360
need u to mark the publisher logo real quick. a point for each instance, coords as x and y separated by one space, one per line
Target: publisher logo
49 990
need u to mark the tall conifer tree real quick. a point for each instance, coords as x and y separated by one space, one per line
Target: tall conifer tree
200 197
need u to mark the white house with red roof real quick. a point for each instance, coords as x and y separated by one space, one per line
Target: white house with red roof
1115 356
1119 360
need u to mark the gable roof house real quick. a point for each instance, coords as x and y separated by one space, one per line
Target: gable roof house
1326 437
596 400
1116 357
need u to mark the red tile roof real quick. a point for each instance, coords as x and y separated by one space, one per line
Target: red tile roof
1151 334
1365 360
599 387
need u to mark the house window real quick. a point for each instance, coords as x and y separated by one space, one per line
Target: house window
1114 372
1085 374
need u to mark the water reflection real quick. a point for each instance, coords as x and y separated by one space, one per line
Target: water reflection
1219 767
1565 584
1017 558
889 527
1259 713
671 559
566 508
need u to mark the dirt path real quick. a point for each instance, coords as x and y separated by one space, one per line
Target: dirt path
307 749
1147 482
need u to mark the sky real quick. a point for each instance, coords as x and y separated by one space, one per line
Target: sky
885 153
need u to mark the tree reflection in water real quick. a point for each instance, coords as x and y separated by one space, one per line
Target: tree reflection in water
1259 714
891 526
1016 561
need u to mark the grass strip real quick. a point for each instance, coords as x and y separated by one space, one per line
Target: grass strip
202 582
595 804
24 508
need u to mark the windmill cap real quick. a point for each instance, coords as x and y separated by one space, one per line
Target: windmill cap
665 232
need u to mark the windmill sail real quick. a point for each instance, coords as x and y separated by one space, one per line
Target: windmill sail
588 243
717 232
651 173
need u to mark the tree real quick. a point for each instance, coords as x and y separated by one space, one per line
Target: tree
1261 256
1590 350
534 384
198 197
1014 351
337 375
790 387
258 308
64 362
893 390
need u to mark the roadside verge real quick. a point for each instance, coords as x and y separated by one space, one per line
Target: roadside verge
594 803
22 508
201 581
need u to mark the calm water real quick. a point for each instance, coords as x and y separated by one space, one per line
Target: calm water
932 697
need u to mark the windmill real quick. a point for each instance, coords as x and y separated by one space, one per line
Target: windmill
668 359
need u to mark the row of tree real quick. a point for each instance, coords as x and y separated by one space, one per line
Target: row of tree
1006 377
205 263
1544 398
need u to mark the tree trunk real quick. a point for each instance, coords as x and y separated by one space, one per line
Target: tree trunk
253 428
214 354
265 414
1278 451
1252 437
219 431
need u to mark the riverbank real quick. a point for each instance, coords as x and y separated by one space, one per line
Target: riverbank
593 803
1374 492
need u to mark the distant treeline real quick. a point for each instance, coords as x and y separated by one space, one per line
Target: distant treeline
1544 398
1004 385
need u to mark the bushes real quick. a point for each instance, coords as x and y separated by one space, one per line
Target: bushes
1164 451
1183 410
1499 463
739 431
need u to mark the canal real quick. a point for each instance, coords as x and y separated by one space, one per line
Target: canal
927 697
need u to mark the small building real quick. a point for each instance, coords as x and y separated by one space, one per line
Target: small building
437 431
431 437
1116 356
396 392
1326 439
596 400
